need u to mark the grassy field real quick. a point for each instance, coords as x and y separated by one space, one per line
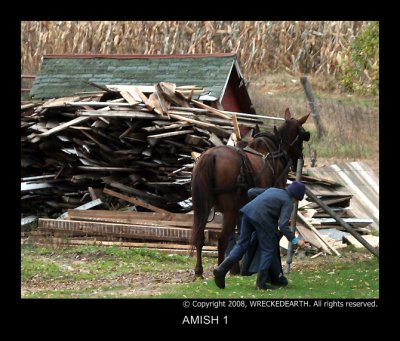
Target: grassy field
112 272
351 123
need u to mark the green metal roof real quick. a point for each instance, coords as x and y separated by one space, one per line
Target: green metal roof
64 75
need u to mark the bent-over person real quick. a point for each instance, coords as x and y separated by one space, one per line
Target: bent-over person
270 209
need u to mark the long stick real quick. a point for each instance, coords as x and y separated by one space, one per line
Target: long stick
293 217
327 209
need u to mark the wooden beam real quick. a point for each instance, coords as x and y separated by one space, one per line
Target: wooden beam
139 218
317 234
64 126
153 138
210 109
75 227
135 201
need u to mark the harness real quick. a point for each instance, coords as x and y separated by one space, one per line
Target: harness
272 158
247 177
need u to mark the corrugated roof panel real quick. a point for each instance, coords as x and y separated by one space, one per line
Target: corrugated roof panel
361 182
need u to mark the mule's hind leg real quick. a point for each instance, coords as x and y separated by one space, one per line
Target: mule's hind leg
228 228
198 270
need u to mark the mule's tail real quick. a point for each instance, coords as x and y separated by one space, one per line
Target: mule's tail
202 196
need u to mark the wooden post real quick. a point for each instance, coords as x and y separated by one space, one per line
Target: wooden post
328 210
293 218
311 102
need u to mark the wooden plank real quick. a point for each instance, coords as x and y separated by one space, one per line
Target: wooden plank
216 129
345 200
328 191
152 138
110 169
312 228
28 220
60 102
92 193
135 201
360 222
121 87
27 186
372 240
124 114
310 237
162 99
119 230
210 109
168 90
129 98
139 218
215 140
194 140
98 104
64 126
155 103
86 206
143 97
238 114
136 192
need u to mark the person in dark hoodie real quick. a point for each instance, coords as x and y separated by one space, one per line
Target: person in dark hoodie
270 209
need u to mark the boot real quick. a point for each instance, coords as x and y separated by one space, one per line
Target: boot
279 280
282 281
261 282
221 271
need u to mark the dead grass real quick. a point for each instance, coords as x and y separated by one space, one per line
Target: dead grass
351 123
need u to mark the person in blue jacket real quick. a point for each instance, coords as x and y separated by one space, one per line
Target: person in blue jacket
271 208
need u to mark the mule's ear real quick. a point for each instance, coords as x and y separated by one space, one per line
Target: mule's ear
287 114
303 119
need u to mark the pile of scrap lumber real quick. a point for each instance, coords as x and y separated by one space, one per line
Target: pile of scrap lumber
97 163
319 228
170 232
135 140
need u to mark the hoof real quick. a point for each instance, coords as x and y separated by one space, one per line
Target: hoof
198 278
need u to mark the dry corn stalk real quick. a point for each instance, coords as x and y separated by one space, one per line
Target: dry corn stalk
296 46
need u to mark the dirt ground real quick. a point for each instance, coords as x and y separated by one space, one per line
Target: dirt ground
133 284
147 284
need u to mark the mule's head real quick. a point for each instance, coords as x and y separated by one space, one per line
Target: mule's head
291 134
